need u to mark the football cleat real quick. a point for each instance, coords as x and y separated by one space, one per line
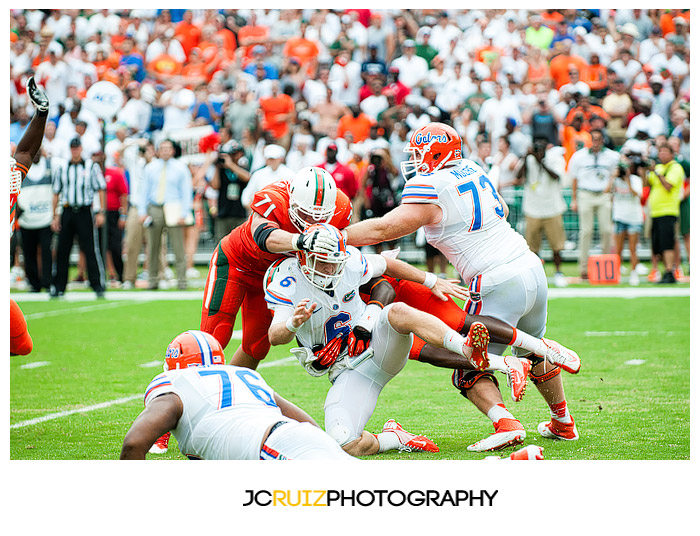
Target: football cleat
37 96
518 369
560 355
555 429
409 442
531 452
161 444
508 432
478 340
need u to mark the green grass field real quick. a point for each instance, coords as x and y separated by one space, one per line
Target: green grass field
99 352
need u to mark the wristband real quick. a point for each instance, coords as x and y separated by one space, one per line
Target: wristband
290 325
369 317
430 280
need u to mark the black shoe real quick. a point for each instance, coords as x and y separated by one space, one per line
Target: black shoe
667 278
100 294
54 294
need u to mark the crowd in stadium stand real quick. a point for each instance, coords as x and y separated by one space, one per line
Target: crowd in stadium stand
591 102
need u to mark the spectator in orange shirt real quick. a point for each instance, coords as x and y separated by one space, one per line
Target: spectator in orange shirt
252 34
356 123
164 67
560 62
226 34
195 71
666 20
278 114
596 76
187 33
587 110
574 137
303 49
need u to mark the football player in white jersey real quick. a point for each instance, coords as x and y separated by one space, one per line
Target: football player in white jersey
464 217
222 412
315 297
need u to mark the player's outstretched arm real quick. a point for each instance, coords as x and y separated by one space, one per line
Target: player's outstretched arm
440 287
271 239
159 417
293 411
30 142
401 221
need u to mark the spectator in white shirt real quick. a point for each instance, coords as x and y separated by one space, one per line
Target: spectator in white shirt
646 121
626 67
413 70
273 171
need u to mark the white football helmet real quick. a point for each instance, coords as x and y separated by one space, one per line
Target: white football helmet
15 177
327 275
312 195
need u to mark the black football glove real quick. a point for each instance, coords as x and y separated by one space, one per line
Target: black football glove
37 96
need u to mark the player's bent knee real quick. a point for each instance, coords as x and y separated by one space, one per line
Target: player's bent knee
398 314
341 434
467 379
365 445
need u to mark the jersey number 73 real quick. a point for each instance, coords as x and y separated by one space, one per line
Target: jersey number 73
471 188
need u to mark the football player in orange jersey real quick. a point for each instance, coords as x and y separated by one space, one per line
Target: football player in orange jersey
27 148
280 213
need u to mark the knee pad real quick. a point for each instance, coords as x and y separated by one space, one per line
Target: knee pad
544 376
221 331
258 349
340 433
466 379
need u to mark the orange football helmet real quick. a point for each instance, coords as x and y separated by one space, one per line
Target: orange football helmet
193 348
432 147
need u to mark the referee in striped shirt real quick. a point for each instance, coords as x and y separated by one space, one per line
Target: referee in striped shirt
74 185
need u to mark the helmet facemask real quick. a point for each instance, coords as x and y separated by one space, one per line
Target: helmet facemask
324 270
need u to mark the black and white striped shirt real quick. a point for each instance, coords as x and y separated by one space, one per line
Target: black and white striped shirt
78 182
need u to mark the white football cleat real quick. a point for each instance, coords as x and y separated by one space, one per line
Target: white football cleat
531 452
560 355
409 442
508 432
518 369
555 429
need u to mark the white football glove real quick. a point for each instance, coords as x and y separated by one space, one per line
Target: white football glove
306 357
319 241
37 96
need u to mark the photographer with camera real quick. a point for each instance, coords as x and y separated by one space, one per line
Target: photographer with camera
665 182
231 175
377 189
543 203
626 185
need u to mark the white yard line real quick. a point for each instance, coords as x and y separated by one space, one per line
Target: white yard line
184 295
87 409
85 309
